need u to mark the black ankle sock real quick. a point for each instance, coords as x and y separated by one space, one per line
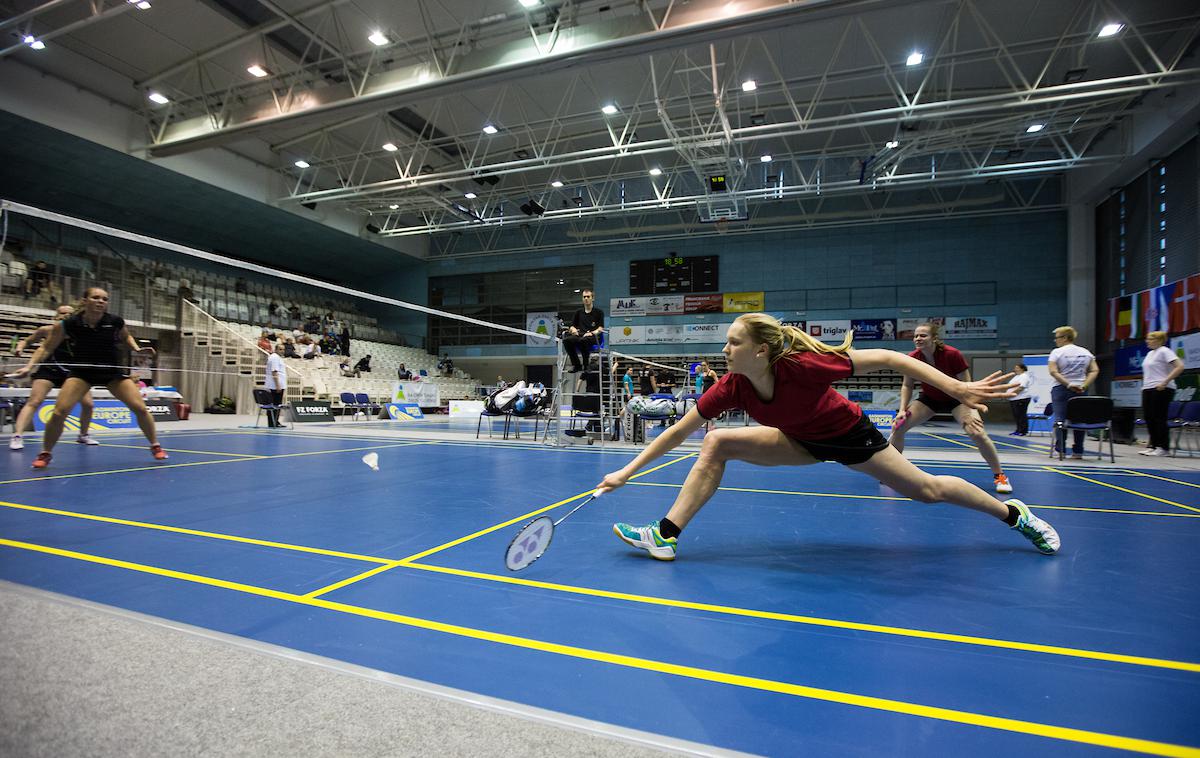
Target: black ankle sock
1013 515
667 528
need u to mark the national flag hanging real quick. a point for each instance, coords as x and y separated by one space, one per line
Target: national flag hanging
1112 318
1147 311
1124 317
1158 317
1185 305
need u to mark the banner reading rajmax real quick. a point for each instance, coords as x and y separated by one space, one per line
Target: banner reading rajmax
829 331
969 327
742 302
874 329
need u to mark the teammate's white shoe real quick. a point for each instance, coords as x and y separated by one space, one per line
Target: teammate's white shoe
16 443
86 439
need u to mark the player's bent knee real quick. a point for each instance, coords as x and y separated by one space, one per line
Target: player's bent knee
929 491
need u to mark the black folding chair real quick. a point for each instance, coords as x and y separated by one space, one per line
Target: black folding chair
1088 414
266 402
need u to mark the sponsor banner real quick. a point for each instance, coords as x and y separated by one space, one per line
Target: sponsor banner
742 302
627 335
627 306
969 327
906 326
1128 362
829 331
465 408
1040 381
704 332
874 329
404 412
664 305
874 399
801 325
542 322
664 334
1187 348
108 414
162 410
308 411
880 418
1126 393
702 303
424 394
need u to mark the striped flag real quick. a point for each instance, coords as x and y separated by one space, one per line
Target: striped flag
1185 305
1124 317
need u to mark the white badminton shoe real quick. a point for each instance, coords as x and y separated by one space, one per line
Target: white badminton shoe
1037 531
16 443
86 439
647 538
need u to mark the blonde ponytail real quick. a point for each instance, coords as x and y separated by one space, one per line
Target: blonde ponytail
784 340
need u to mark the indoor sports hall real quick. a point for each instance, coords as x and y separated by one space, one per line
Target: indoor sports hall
540 378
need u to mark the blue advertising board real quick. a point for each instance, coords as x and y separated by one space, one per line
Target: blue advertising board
108 414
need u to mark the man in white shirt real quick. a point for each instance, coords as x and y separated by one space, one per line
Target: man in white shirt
275 382
1072 368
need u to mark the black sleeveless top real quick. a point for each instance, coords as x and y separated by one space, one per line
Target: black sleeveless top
93 346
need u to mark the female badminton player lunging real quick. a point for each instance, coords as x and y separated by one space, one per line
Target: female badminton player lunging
92 336
782 377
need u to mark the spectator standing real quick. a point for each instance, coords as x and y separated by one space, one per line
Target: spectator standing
1159 369
346 340
1020 403
1072 368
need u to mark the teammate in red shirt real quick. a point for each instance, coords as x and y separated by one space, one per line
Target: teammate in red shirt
932 350
782 377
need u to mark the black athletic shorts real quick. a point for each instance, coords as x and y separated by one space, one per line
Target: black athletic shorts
855 446
938 406
97 377
51 373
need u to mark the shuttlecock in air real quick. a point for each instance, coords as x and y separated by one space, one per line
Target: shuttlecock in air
372 460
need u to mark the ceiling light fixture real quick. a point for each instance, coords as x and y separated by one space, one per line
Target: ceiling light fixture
556 183
489 129
34 42
765 159
1109 30
656 171
529 3
143 5
390 147
378 38
470 196
916 58
892 144
1035 128
257 70
609 109
749 85
302 164
159 98
393 207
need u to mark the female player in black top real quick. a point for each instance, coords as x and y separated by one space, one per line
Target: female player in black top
47 377
92 336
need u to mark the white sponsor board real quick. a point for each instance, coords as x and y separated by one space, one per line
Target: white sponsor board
969 327
664 305
664 334
1127 393
1188 348
627 335
704 332
627 306
829 331
668 334
461 408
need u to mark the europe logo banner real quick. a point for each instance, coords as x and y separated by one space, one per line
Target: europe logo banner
107 414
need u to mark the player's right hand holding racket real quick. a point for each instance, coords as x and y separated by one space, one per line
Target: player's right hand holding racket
612 481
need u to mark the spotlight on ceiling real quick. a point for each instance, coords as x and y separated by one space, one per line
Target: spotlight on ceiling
1108 30
378 38
749 85
1035 128
656 171
158 97
489 129
556 183
608 109
302 163
257 71
916 58
390 147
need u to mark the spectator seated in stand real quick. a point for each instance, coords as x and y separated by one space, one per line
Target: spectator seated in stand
312 325
403 374
364 364
264 342
329 344
445 365
38 279
294 312
344 367
289 349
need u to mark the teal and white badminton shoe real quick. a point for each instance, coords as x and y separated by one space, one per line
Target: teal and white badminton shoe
1037 531
647 538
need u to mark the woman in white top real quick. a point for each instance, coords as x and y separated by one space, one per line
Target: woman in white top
1159 369
1073 368
1020 403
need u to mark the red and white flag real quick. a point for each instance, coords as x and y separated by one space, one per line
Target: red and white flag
1185 305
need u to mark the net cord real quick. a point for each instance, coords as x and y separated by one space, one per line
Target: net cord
29 210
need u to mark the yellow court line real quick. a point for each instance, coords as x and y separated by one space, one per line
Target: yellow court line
1049 731
162 466
518 519
180 450
1164 478
389 563
947 439
198 533
908 499
964 639
1123 489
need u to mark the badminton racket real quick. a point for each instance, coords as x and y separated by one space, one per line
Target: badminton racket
531 542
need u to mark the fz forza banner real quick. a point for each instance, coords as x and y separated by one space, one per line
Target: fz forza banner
162 410
308 411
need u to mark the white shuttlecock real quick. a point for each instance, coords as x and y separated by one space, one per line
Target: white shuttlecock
372 460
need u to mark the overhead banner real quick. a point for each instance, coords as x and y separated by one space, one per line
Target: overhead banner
668 334
664 334
542 322
702 303
969 327
742 302
874 329
829 331
664 305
